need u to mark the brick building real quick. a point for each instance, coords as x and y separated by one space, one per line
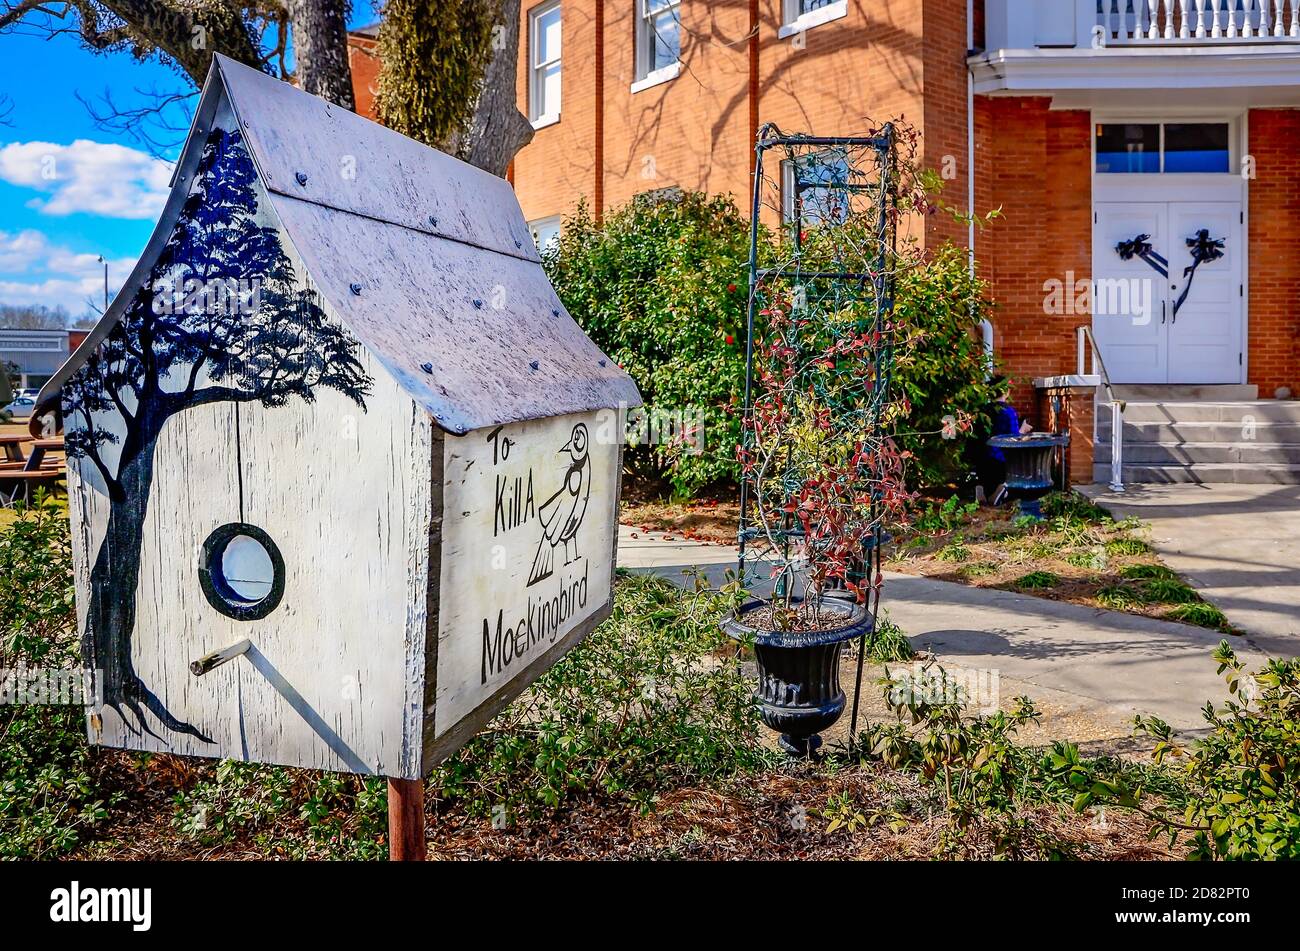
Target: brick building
1089 123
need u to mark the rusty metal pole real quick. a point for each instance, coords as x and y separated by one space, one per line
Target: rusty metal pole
406 841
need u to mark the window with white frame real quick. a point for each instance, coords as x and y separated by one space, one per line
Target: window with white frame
800 15
658 40
544 74
546 233
815 188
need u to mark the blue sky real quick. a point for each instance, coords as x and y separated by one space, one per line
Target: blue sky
69 191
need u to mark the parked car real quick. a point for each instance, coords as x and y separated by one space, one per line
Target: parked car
21 408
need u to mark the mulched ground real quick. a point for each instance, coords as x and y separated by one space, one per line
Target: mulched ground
711 518
775 816
1093 565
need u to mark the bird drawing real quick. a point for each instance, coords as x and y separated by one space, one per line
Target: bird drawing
562 513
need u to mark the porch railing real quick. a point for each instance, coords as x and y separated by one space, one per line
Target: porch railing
1097 24
1188 21
1088 347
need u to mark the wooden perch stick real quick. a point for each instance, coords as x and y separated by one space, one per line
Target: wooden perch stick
214 660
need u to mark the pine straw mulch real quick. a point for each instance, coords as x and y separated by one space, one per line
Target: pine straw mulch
712 518
780 816
777 815
1102 564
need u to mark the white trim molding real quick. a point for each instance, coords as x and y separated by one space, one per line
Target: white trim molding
798 22
1268 75
662 75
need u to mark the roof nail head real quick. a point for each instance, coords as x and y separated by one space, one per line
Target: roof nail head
478 304
301 177
602 363
535 365
433 220
555 312
355 289
426 367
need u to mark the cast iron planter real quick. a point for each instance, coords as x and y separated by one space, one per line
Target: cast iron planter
1029 467
799 691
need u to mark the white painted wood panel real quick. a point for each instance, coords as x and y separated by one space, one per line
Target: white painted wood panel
527 549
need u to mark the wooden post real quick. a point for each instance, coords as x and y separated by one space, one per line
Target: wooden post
406 841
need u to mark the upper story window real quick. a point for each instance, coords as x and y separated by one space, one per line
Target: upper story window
1169 147
813 188
658 41
800 15
546 233
544 78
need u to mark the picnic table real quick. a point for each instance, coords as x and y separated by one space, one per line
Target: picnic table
12 443
39 448
22 473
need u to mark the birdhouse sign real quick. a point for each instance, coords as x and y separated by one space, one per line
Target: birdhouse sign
343 473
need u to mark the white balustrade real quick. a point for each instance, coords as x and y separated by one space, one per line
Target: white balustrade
1184 22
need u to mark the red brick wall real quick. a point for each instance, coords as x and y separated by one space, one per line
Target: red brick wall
882 61
558 167
364 61
1035 164
1274 256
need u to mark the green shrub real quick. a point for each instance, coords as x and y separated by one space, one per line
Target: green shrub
940 367
661 287
1148 573
1075 507
49 790
1038 579
949 515
1240 792
1201 613
652 699
1127 546
890 643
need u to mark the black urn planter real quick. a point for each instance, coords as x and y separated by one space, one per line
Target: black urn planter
798 689
1029 467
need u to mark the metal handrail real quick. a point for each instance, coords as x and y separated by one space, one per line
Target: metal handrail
1084 333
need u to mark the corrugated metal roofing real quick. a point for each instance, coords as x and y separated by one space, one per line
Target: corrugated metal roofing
450 294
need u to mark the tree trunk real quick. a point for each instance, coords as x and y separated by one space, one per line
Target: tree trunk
187 32
320 50
498 129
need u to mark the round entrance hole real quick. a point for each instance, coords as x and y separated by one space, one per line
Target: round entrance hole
242 572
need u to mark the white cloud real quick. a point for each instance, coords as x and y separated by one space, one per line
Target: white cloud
92 177
35 271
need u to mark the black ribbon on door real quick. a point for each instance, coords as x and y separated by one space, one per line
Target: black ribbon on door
1203 247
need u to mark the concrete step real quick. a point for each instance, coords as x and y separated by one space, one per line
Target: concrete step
1163 392
1173 433
1271 474
1280 411
1198 453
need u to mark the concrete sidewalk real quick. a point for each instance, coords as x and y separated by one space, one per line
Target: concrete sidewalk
1238 545
1103 663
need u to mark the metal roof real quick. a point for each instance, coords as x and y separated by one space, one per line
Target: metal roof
426 259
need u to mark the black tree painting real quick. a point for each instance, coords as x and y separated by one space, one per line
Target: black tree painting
225 321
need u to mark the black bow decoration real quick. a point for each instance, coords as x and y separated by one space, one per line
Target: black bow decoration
1141 247
1204 248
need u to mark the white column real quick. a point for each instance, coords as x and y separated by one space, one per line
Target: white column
1153 15
1231 12
1216 28
1184 24
1295 18
1202 14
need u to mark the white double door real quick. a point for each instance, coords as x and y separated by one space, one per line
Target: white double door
1141 337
